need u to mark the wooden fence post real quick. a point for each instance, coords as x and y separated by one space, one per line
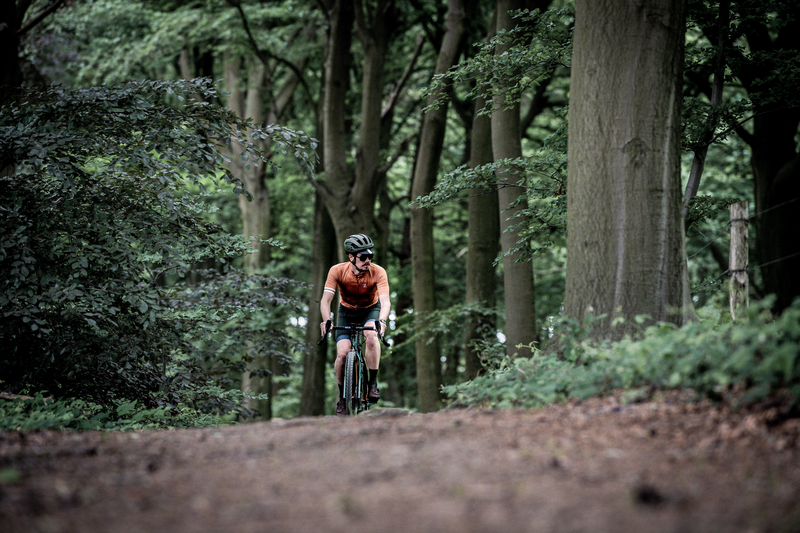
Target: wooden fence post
737 264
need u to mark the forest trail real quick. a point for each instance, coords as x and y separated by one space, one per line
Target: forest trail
594 466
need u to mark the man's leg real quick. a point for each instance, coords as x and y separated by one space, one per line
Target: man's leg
342 347
372 353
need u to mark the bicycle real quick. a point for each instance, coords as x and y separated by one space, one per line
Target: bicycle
354 391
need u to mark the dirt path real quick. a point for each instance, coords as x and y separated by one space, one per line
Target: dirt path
597 466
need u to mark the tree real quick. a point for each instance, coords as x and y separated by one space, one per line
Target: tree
518 64
13 25
769 73
484 236
312 400
350 196
247 98
625 240
429 372
518 284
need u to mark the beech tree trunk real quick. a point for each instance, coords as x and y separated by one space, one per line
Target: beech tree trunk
483 243
739 259
349 199
625 237
241 99
312 400
429 368
518 286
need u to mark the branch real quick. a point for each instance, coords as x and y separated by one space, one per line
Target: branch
40 17
399 152
319 186
403 79
265 55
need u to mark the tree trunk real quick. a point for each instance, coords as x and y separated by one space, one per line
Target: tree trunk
10 72
350 199
518 287
255 214
429 369
483 239
625 239
312 401
348 215
710 126
374 33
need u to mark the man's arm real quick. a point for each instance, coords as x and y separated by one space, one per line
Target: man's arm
386 308
325 310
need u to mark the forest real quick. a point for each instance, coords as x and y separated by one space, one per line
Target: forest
548 185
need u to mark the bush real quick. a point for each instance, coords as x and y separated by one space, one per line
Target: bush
38 413
95 216
759 358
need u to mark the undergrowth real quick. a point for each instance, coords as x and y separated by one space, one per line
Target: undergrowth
38 412
758 357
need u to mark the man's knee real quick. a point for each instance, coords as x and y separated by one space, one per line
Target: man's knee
342 348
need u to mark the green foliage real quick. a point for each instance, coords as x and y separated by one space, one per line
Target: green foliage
543 178
537 46
96 219
117 41
771 76
38 412
760 357
705 207
244 320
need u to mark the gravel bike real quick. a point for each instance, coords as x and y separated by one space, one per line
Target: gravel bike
354 391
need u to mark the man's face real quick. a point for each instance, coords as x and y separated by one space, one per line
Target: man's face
363 260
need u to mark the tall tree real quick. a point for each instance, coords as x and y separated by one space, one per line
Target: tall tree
484 235
770 75
312 399
625 240
350 199
429 370
518 281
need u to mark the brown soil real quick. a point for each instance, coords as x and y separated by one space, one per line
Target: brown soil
595 466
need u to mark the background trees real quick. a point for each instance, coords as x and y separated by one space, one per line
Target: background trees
380 148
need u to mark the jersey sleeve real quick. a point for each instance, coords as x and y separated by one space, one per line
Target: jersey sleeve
382 283
332 282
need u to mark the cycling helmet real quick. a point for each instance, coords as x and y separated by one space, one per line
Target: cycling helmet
355 244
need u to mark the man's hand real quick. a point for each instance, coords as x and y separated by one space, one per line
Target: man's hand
324 327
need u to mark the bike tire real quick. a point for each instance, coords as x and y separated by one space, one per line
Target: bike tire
349 382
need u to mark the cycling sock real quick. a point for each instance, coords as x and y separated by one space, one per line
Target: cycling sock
373 376
341 391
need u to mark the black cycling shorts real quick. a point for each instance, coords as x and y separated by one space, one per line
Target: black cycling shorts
347 316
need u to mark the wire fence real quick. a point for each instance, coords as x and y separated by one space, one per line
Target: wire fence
719 234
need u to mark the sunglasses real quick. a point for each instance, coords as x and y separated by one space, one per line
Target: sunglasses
364 257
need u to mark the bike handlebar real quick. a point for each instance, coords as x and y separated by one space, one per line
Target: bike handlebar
354 329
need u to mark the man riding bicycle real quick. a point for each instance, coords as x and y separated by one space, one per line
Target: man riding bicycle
364 298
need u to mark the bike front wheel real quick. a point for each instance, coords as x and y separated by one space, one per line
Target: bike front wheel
350 393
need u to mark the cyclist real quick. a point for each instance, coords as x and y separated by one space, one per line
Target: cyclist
364 298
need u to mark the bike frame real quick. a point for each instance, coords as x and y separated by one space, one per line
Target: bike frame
355 369
354 391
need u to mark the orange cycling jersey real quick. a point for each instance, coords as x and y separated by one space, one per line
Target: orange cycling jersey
357 292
